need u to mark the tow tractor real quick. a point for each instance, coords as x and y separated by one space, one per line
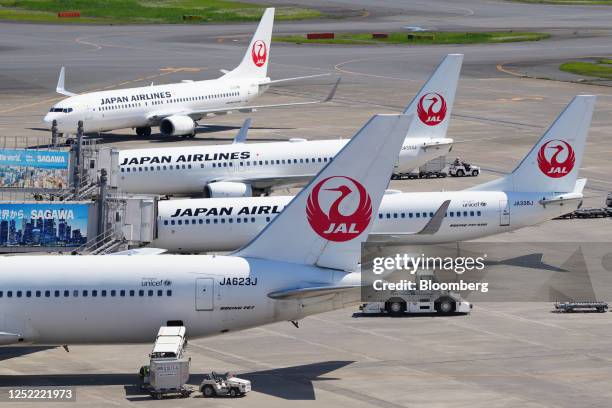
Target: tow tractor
227 384
168 369
459 168
442 302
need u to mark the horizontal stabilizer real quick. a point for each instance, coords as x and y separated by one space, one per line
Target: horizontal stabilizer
311 292
566 197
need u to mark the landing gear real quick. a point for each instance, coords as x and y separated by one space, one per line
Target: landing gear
143 131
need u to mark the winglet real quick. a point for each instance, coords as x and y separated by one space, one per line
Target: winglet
60 84
332 93
241 137
432 227
436 221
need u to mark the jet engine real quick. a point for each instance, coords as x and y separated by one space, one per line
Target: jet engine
223 189
177 125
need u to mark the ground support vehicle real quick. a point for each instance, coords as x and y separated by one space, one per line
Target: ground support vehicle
227 384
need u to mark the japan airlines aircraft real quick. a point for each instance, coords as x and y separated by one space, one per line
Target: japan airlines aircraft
542 187
122 299
241 169
175 108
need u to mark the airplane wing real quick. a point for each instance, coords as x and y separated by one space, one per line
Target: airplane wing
197 115
429 229
315 291
272 183
9 338
141 251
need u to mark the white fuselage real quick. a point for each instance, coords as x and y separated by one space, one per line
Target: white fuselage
137 107
187 170
225 224
52 300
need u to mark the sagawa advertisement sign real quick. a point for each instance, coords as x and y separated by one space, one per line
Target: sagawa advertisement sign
22 168
43 224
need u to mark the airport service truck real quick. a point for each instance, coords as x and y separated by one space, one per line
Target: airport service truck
168 369
419 301
432 169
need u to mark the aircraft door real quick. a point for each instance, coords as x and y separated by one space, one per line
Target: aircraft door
504 213
204 296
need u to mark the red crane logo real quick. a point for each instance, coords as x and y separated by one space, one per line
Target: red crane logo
551 165
259 53
335 226
436 110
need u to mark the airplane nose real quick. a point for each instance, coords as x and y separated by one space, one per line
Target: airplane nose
47 121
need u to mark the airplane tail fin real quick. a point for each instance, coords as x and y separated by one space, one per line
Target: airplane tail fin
327 221
255 61
60 89
433 104
553 163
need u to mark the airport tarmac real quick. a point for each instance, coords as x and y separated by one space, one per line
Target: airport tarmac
502 355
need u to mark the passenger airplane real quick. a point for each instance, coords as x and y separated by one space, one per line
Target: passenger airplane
175 108
241 169
542 187
122 299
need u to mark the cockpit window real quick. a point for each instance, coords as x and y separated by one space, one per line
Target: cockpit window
67 110
64 110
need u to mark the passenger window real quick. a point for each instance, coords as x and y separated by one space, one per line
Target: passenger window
66 293
38 293
169 293
380 216
57 293
28 293
75 293
103 292
252 219
18 293
465 213
94 293
388 215
85 293
47 293
141 293
471 213
122 293
150 292
0 293
418 215
132 293
394 215
478 213
9 293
